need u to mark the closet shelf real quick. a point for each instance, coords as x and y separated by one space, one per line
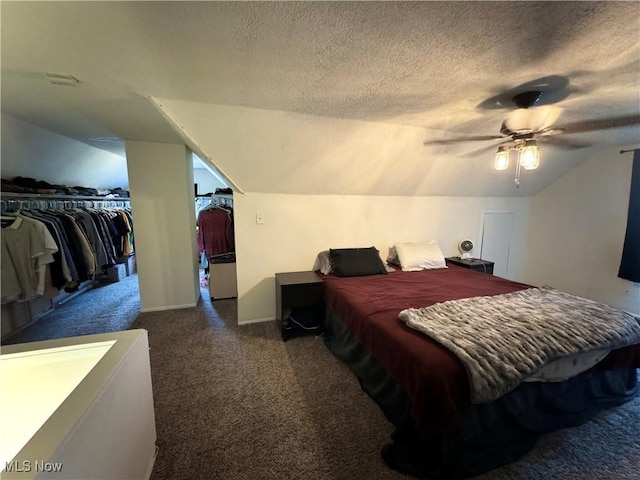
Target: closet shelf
62 197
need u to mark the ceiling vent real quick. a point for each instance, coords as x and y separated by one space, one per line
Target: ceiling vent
57 79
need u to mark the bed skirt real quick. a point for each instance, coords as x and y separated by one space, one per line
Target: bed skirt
492 434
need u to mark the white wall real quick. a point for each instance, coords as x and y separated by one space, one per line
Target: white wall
577 230
297 227
31 151
162 203
207 183
293 153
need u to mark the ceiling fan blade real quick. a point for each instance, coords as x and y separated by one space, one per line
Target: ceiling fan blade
549 132
452 141
564 143
601 124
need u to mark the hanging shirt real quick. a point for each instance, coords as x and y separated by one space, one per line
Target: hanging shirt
93 235
215 232
85 247
69 271
55 268
127 247
27 247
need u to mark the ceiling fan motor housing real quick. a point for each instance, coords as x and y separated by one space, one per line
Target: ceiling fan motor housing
527 99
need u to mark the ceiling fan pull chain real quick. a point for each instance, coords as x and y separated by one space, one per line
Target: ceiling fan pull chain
516 182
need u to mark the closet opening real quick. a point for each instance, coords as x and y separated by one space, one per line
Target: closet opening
215 233
88 257
68 261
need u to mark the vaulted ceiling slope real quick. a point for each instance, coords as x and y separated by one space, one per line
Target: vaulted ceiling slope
330 97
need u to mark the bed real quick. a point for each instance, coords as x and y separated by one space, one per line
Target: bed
423 388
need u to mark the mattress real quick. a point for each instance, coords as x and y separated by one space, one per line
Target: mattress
432 377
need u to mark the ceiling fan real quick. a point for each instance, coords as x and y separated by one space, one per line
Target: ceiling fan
513 129
524 128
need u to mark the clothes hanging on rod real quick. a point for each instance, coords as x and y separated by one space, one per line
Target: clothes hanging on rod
72 240
210 201
215 225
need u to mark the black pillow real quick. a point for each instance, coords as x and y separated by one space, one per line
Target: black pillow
354 262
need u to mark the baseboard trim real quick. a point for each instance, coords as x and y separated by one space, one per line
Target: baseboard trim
256 320
170 307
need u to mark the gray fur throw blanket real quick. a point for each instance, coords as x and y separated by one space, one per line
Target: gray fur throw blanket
503 339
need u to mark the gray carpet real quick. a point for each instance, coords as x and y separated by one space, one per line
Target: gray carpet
109 307
238 403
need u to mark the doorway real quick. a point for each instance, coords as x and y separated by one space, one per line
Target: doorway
497 230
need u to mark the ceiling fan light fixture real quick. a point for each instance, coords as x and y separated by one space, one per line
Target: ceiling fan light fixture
529 155
502 158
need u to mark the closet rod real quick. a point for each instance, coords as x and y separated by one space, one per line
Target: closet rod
35 196
216 195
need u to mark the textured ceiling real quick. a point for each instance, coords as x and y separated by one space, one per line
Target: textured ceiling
431 65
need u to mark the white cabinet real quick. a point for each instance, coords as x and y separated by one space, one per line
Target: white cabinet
78 408
223 282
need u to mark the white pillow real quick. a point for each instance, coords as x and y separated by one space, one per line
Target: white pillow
420 256
323 263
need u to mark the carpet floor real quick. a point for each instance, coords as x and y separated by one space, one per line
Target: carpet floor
236 402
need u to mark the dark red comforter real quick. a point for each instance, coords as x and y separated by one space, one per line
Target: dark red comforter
431 375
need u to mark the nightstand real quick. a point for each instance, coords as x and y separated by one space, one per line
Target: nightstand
477 264
301 292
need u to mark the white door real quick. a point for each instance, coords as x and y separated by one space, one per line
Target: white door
497 228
